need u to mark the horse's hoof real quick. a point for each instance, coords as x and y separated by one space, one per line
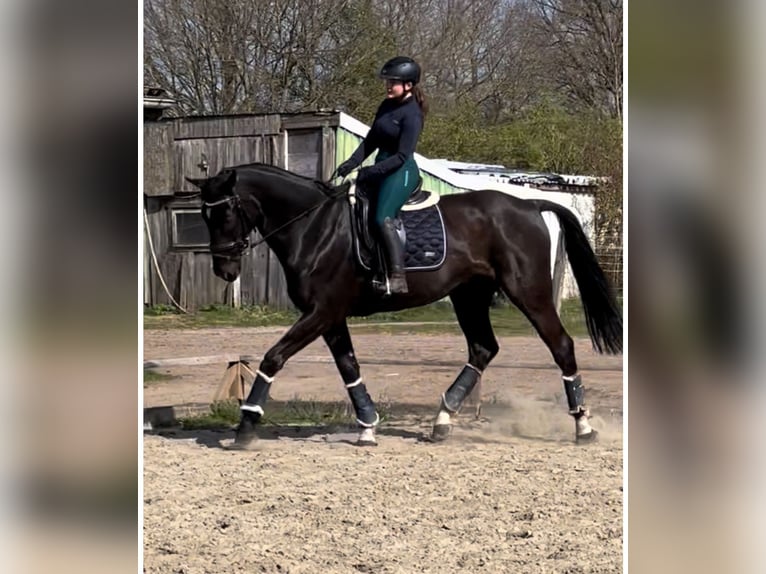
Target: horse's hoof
592 436
366 437
244 441
245 435
440 432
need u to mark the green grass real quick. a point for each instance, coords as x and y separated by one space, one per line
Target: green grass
295 412
151 376
217 316
506 319
307 412
222 415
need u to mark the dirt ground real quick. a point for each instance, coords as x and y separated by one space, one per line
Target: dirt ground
509 492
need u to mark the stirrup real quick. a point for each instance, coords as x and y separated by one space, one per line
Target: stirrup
380 287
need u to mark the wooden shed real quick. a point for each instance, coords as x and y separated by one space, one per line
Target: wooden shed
177 261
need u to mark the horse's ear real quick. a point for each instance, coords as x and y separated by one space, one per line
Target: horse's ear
198 182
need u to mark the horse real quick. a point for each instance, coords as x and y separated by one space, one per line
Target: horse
495 242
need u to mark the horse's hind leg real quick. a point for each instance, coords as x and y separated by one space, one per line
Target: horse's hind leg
535 300
339 342
471 302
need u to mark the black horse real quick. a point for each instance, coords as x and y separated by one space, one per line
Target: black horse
494 242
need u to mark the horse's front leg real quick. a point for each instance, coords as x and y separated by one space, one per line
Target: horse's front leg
338 340
303 332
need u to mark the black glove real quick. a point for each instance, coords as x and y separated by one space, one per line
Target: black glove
345 168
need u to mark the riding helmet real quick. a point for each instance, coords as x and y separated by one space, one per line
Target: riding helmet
401 68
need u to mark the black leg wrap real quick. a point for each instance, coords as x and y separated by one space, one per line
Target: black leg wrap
259 393
363 405
461 388
575 394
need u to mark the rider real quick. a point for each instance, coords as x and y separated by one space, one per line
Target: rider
394 132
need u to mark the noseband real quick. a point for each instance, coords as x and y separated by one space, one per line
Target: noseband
232 250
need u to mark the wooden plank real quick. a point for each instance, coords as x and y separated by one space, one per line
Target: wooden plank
255 273
148 265
157 217
278 145
315 120
201 360
170 267
219 153
187 287
327 154
221 127
276 295
157 158
266 149
237 151
187 155
257 149
236 292
235 381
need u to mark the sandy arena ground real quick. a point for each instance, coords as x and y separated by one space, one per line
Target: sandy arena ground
510 492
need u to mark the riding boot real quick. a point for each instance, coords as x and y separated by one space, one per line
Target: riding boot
394 257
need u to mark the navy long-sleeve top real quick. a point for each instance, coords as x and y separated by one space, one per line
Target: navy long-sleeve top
395 131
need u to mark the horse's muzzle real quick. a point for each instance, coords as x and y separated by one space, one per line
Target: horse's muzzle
229 276
227 270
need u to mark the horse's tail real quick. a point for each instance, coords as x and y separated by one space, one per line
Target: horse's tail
602 314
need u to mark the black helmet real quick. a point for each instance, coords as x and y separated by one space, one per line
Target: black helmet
401 68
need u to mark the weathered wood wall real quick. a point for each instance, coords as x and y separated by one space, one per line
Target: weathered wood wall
180 148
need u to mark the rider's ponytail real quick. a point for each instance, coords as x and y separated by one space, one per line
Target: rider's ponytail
420 97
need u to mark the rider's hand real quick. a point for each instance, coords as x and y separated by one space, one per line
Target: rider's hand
345 168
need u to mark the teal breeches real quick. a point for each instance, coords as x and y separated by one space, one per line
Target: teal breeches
395 189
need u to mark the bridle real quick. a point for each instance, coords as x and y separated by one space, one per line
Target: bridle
233 250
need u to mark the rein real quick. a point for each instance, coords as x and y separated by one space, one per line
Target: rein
243 243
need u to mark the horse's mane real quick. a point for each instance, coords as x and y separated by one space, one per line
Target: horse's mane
321 186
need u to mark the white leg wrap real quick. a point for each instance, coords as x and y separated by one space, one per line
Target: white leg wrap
443 418
470 366
265 377
251 408
355 383
367 435
369 425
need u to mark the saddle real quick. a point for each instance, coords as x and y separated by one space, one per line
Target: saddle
420 227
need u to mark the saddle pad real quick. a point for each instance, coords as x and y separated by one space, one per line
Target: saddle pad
426 245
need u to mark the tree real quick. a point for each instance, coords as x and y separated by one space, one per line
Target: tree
583 41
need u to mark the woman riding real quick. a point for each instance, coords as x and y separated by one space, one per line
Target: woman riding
394 133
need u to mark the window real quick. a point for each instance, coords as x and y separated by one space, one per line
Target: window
189 229
304 149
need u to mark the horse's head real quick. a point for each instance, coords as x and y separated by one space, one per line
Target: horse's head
227 223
